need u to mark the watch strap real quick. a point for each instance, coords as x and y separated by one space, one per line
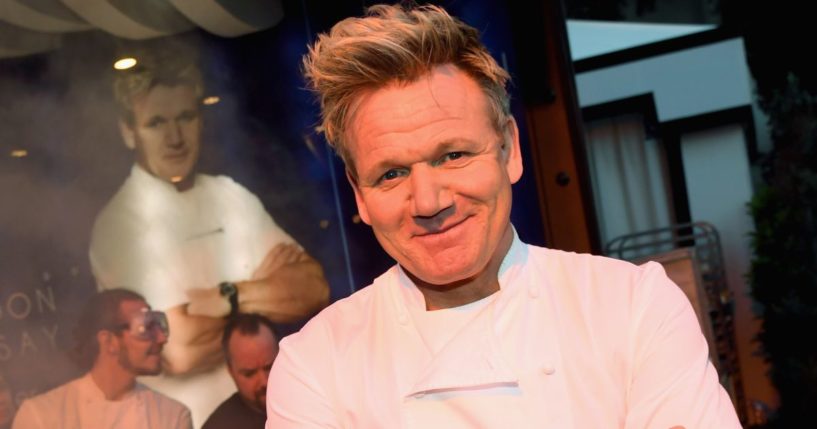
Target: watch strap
230 291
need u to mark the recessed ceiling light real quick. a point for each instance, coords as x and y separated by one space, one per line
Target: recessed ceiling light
124 63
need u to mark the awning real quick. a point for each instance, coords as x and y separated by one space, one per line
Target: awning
33 26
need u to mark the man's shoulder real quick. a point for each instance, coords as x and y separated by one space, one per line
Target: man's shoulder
162 401
350 316
574 264
581 275
125 211
575 258
118 202
224 412
225 192
220 183
40 410
364 299
51 398
233 413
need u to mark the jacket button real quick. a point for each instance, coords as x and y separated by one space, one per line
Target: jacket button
533 292
548 370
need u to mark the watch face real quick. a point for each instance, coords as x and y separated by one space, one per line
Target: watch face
227 288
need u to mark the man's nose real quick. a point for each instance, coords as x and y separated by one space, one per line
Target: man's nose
429 192
261 378
174 134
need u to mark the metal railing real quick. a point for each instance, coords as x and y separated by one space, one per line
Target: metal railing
705 242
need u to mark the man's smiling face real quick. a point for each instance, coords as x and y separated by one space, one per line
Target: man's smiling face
433 174
166 131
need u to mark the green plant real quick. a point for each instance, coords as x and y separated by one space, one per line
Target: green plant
784 268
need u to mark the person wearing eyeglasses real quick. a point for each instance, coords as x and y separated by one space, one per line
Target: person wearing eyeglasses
198 246
119 338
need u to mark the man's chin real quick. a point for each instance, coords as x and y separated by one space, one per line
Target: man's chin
439 280
449 265
176 177
150 371
442 274
155 369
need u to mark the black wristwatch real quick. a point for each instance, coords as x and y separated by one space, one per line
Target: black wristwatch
230 290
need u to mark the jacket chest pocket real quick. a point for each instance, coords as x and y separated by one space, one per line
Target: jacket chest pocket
495 405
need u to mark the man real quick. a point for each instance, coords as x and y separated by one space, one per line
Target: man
250 346
199 247
472 328
119 338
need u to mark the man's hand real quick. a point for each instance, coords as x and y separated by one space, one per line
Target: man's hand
278 256
194 343
287 286
286 261
207 302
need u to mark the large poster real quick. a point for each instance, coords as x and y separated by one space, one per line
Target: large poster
195 179
95 190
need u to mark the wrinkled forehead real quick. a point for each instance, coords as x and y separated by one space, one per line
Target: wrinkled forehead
446 92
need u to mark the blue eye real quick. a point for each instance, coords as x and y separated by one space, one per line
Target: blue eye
391 175
450 156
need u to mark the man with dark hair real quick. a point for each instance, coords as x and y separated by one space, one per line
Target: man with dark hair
199 247
250 346
118 338
472 327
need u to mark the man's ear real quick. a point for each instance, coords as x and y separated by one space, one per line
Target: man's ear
361 206
108 342
128 135
510 150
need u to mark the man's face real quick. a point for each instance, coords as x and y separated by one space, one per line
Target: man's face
251 358
166 131
434 175
140 354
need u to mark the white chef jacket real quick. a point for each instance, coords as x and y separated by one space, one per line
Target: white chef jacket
159 242
571 341
80 404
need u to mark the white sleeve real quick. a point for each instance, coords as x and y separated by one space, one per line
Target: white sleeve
297 396
27 417
673 382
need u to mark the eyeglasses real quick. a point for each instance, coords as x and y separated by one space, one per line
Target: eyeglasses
147 325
